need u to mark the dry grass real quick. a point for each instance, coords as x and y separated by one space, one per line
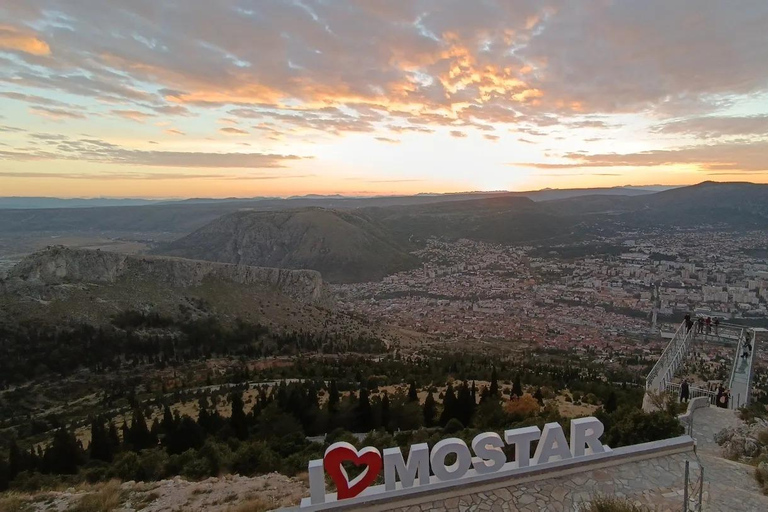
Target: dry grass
105 499
252 505
611 504
12 503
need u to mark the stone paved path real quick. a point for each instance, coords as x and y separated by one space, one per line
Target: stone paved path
729 486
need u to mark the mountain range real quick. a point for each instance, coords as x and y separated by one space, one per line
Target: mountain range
359 239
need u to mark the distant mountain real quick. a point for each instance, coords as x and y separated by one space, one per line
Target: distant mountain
29 203
502 219
737 205
343 246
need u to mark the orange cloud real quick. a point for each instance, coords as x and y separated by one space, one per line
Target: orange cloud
11 38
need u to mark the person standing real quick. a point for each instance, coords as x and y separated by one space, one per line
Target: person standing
717 325
709 325
684 391
688 323
701 325
720 395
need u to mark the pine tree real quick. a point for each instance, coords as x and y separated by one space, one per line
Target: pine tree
465 405
237 420
333 398
114 438
385 413
449 406
64 454
430 410
16 462
141 437
611 404
363 411
494 390
517 387
100 447
413 395
539 396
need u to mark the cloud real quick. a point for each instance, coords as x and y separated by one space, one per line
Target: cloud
716 126
141 176
318 68
490 137
96 150
458 134
388 140
57 114
17 39
31 98
743 157
233 131
133 115
174 131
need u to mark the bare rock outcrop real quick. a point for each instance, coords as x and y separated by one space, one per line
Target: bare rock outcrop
60 265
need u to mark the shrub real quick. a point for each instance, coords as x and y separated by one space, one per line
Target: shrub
255 458
611 504
107 498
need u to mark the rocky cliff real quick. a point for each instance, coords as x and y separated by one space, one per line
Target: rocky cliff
61 265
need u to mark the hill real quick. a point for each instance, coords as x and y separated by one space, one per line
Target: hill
342 246
736 205
502 219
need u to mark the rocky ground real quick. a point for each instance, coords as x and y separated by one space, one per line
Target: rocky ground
231 493
743 441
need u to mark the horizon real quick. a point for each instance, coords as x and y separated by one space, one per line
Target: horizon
351 196
364 99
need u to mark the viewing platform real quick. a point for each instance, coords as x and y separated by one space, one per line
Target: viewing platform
743 341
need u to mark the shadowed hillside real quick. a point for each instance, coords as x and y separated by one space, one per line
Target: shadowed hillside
342 246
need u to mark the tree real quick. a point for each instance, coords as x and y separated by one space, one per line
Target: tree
139 436
430 410
539 396
465 404
64 454
413 395
523 407
517 387
333 398
237 420
385 413
363 413
449 406
494 388
100 447
610 404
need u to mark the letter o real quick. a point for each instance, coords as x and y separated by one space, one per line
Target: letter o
456 470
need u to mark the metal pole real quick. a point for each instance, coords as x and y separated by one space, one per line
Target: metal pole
701 485
685 489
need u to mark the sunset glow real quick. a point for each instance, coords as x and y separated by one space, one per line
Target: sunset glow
366 97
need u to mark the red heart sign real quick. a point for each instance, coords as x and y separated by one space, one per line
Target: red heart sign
343 452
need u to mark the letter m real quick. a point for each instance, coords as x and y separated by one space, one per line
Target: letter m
395 466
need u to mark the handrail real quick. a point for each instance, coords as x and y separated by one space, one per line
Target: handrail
736 358
664 355
751 365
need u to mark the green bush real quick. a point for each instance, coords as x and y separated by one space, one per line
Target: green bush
255 458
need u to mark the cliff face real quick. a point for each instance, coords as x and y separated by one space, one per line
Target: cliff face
61 265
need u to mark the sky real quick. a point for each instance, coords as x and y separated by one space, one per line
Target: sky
236 98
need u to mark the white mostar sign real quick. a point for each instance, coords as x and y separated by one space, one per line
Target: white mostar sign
425 467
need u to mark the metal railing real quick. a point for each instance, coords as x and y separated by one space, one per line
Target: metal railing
671 347
693 392
737 358
674 354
